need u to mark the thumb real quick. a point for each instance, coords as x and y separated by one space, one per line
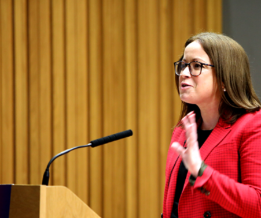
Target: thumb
178 148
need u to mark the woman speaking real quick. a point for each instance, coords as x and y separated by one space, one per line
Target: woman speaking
214 159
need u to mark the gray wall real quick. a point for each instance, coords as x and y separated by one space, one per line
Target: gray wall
241 21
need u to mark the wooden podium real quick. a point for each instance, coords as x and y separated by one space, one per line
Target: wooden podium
37 201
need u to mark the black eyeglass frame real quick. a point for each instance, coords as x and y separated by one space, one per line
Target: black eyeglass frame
188 64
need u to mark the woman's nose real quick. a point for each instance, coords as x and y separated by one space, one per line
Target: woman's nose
185 72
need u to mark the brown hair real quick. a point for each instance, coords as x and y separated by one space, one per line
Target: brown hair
231 71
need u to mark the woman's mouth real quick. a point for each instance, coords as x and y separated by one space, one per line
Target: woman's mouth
184 86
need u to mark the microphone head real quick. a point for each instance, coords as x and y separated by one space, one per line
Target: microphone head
112 138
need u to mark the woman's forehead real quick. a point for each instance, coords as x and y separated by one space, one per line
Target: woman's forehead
195 51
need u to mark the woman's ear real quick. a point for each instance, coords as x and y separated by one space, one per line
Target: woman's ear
223 87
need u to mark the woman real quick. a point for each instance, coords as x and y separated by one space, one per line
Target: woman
214 160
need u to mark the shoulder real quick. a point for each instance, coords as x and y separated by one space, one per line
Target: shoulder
252 114
247 128
249 119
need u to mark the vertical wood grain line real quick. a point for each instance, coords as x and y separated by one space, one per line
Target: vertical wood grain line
95 94
118 118
108 126
114 163
131 68
153 107
34 95
82 105
21 92
70 67
59 90
45 72
143 110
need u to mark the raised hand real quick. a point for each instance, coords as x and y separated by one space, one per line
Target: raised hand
190 155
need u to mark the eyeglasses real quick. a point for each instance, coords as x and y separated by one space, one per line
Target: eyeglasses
195 67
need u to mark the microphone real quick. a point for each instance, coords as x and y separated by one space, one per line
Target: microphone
111 138
94 143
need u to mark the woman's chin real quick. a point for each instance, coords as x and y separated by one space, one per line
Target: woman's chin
187 99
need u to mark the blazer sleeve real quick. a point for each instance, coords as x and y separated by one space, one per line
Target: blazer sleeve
241 198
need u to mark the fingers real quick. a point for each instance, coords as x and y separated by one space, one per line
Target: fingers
189 119
178 148
189 122
192 117
191 155
193 125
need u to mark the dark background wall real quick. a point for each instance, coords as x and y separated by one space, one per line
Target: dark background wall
241 21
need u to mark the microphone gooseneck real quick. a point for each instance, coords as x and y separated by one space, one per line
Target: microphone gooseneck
93 144
45 180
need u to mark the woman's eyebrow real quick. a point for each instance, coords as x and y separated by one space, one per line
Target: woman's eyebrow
195 59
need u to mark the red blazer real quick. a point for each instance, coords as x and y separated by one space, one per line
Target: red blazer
231 184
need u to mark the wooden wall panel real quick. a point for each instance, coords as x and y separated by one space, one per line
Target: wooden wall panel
108 103
7 93
213 10
149 107
74 71
59 90
71 75
82 100
143 119
21 93
131 81
200 21
34 95
153 77
114 108
95 109
45 86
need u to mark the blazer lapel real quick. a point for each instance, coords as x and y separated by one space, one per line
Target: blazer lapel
218 134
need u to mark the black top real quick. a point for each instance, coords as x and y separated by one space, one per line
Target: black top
202 136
